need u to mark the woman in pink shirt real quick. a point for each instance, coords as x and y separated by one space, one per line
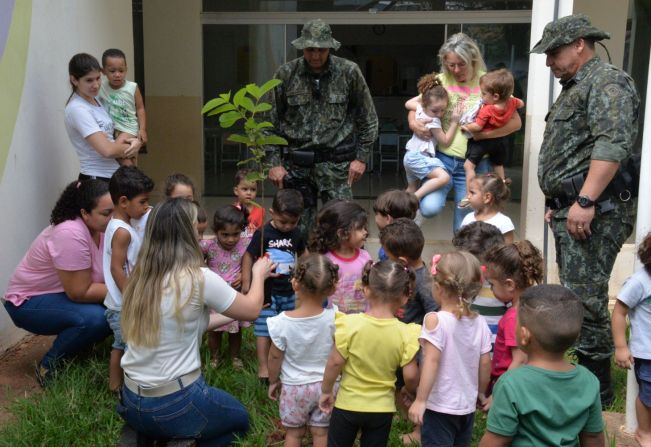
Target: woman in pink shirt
58 287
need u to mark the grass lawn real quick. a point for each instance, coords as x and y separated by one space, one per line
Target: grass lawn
78 410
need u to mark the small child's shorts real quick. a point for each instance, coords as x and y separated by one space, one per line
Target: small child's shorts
299 405
113 319
418 165
495 148
642 368
278 305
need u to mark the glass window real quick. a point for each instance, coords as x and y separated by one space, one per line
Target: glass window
363 5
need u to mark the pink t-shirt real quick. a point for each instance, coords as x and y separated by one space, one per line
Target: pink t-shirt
226 264
461 343
68 246
504 342
349 296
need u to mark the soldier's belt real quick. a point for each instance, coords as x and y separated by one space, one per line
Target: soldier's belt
308 158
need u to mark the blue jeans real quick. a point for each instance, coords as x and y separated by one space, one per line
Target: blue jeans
78 325
211 416
432 204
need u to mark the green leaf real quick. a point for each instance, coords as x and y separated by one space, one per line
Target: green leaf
212 104
250 124
271 139
248 104
226 96
238 138
254 91
269 85
239 96
262 107
254 176
264 125
221 109
227 119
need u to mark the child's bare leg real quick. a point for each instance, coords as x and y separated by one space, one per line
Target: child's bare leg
115 370
234 347
319 436
643 432
122 137
412 187
499 171
469 167
214 346
262 352
436 179
294 436
411 438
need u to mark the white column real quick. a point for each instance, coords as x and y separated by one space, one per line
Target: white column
643 227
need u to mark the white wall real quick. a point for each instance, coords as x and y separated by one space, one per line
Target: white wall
41 160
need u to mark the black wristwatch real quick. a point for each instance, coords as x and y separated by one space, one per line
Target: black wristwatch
585 201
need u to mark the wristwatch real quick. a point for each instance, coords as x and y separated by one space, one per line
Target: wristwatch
585 201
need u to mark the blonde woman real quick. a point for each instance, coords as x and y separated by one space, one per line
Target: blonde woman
461 67
165 312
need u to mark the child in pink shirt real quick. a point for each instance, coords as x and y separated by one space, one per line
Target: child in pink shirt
224 257
456 342
340 234
510 269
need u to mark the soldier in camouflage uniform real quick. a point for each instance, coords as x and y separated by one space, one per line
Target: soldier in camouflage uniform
325 111
591 129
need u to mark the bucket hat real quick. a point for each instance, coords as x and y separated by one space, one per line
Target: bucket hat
566 30
316 34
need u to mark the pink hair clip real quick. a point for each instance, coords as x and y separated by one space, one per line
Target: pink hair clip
435 260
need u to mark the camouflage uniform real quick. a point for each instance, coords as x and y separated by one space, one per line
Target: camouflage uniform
594 118
319 114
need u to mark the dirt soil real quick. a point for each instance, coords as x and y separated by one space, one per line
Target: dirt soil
17 378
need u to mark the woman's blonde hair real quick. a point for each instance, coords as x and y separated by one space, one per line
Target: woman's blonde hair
459 274
170 257
466 48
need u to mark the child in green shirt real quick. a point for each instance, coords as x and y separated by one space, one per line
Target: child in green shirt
549 401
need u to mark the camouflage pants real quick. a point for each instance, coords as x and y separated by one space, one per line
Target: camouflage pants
326 181
585 268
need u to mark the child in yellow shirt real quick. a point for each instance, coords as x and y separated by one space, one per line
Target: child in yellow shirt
369 347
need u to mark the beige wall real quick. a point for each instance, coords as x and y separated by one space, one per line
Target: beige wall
41 160
609 16
173 86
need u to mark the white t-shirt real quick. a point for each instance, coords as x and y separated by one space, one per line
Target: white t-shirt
140 224
636 294
306 343
415 143
82 120
177 353
113 298
501 221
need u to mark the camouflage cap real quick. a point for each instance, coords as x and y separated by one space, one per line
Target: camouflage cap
566 30
316 34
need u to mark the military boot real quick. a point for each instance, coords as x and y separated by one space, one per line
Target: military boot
601 369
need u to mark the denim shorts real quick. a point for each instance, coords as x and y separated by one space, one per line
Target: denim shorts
419 165
198 411
113 319
642 368
278 305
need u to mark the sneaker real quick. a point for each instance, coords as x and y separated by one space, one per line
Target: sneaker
42 374
464 203
237 363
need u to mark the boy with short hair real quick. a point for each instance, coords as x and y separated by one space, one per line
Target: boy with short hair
246 191
122 100
129 188
548 401
390 205
283 243
497 108
478 238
